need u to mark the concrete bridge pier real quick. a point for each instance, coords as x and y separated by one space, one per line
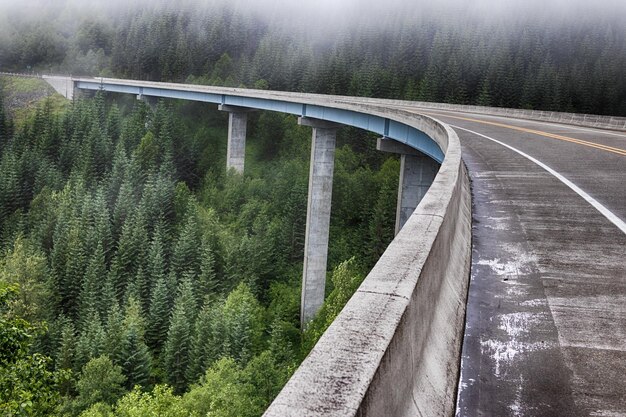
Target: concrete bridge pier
318 216
417 173
237 125
149 100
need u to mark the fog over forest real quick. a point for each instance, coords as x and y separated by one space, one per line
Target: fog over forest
557 55
138 276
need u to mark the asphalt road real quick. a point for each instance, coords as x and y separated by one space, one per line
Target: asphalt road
546 317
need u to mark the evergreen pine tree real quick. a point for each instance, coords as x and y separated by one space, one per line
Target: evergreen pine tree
243 324
142 285
381 222
65 354
114 334
484 98
158 316
113 124
107 298
125 203
117 177
91 341
176 350
155 266
207 343
91 292
284 337
66 344
208 285
428 87
71 281
134 358
131 293
3 124
179 337
131 251
185 258
102 223
9 186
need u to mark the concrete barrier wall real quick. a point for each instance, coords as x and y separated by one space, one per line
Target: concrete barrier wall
394 350
576 119
587 120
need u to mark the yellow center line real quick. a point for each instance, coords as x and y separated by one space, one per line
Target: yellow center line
607 148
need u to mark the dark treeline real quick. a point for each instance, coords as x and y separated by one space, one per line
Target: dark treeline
548 59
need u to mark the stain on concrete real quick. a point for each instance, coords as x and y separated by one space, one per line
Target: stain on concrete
546 319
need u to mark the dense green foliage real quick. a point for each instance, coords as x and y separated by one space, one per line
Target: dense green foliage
153 282
568 58
28 387
151 265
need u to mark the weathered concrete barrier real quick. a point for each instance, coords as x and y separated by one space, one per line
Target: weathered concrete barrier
576 119
394 350
586 120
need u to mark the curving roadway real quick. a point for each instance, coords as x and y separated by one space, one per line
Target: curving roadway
546 315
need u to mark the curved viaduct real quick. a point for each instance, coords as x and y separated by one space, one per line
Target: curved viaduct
543 252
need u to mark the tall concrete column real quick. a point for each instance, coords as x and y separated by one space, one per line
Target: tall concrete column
417 173
318 216
237 124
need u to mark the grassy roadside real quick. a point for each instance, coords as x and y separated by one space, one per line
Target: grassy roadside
21 96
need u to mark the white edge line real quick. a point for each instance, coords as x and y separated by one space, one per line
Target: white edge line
603 210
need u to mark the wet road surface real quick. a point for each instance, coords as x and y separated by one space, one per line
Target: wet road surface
546 316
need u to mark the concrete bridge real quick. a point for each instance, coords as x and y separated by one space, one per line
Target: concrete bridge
543 332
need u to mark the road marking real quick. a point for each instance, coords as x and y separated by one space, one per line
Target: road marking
598 130
607 148
603 210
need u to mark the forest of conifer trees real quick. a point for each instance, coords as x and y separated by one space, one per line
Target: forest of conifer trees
137 276
147 267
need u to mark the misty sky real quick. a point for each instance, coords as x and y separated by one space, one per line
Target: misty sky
325 21
336 11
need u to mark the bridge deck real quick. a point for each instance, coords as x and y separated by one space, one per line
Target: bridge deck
546 318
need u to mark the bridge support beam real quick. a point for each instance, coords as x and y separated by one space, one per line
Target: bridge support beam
318 216
237 125
417 173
